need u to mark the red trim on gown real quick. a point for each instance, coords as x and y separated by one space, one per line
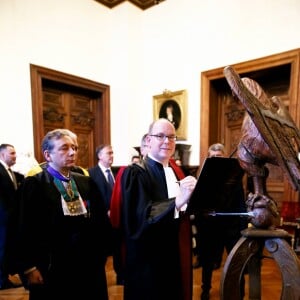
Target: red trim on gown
184 230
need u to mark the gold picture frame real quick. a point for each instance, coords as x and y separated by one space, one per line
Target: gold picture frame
176 104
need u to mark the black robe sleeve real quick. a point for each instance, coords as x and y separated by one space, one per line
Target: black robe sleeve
145 201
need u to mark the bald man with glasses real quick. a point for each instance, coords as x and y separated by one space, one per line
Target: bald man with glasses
157 234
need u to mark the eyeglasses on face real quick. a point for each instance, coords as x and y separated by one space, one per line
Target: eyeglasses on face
162 137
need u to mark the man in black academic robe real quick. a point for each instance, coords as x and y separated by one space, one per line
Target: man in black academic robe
157 250
62 243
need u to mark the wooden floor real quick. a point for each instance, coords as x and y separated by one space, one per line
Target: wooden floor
270 274
271 284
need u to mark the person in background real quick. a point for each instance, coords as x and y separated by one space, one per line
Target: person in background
9 183
216 150
157 232
116 198
100 174
115 210
62 217
102 171
144 145
135 159
213 235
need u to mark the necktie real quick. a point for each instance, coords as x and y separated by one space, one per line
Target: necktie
110 178
13 178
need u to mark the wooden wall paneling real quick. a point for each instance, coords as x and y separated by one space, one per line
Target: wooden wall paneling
278 74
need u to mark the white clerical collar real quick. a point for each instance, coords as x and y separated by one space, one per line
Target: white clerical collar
173 187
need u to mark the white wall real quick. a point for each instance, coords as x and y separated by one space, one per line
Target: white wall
138 53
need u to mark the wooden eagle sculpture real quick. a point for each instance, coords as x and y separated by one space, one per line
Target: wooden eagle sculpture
268 135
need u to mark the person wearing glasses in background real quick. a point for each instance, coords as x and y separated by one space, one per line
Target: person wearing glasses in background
157 232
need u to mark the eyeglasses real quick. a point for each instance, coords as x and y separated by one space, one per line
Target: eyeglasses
162 137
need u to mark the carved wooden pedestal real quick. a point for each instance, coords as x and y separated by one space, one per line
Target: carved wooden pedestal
14 294
247 255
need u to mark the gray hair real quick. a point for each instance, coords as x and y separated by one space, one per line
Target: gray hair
56 134
216 147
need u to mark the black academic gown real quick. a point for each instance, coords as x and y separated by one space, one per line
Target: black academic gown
70 251
153 262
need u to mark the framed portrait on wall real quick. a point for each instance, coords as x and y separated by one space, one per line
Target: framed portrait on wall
173 107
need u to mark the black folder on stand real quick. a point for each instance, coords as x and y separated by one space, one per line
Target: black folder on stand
217 184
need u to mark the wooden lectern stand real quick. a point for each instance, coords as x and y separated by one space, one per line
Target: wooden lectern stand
268 135
218 178
247 255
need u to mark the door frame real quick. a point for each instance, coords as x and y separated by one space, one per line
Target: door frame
210 108
38 74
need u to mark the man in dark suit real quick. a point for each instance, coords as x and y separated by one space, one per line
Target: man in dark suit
9 182
62 217
103 176
100 172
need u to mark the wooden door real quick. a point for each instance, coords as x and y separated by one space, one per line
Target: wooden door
222 116
76 112
64 101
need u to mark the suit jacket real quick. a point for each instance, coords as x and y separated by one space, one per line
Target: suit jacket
70 251
103 186
7 190
7 209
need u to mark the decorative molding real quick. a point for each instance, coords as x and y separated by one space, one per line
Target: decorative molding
143 4
83 119
52 115
235 115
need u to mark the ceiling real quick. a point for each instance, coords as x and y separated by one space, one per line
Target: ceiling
143 4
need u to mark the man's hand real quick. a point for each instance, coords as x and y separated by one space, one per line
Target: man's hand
187 186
